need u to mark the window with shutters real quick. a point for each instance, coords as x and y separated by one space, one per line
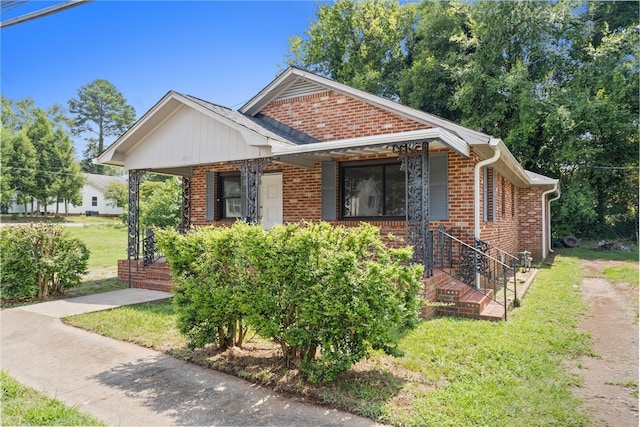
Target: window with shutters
372 190
230 200
378 189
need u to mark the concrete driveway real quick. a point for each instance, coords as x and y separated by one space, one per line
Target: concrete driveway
124 384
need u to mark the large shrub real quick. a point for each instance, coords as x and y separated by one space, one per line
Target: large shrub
327 295
40 260
212 282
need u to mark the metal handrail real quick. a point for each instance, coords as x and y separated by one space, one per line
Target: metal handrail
471 263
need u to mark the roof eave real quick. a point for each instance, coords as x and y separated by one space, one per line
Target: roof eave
430 134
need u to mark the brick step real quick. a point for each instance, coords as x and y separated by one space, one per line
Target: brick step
452 291
461 300
475 300
493 311
154 285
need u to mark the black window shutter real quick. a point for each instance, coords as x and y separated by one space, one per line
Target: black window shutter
438 186
329 190
210 196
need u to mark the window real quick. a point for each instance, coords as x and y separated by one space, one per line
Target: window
230 202
378 190
94 201
373 191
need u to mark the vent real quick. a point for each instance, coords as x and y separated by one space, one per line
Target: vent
301 88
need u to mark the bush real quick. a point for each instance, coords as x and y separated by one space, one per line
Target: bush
212 282
40 260
327 295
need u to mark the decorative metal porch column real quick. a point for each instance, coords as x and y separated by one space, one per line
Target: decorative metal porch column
186 204
133 224
415 163
133 246
250 174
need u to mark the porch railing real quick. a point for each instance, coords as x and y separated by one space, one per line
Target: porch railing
488 270
150 252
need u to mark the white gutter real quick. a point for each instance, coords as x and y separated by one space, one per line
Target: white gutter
548 210
493 143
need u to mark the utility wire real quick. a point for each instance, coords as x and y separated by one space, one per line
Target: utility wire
39 13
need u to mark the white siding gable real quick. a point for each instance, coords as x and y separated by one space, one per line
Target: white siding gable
190 137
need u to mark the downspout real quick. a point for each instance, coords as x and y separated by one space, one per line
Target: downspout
549 215
493 143
544 219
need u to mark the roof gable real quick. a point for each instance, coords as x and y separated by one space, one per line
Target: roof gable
181 130
294 81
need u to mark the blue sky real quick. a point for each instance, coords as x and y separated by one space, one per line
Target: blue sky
220 51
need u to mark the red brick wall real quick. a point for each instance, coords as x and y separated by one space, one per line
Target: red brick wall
529 211
330 116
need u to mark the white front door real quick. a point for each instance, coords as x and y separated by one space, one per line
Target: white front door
270 200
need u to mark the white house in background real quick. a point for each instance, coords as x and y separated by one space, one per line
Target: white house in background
93 200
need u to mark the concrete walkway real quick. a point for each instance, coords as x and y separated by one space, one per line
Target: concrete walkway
124 384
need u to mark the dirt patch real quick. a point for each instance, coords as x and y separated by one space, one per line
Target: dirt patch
610 375
261 362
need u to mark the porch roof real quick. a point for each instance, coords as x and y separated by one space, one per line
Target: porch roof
307 155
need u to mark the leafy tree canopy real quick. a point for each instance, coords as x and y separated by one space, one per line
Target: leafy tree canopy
99 111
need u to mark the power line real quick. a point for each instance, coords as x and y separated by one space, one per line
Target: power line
609 167
38 13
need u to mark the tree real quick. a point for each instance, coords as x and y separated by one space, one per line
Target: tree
434 51
596 117
17 115
41 135
160 203
19 168
6 151
356 43
70 179
117 194
102 111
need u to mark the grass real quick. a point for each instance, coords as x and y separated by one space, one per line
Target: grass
106 241
625 274
454 371
151 325
586 250
25 406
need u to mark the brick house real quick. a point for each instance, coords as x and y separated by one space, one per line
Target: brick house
309 148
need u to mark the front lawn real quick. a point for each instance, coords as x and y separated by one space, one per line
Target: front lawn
453 372
24 406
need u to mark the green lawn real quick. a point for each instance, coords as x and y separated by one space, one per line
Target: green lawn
24 406
107 243
454 372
